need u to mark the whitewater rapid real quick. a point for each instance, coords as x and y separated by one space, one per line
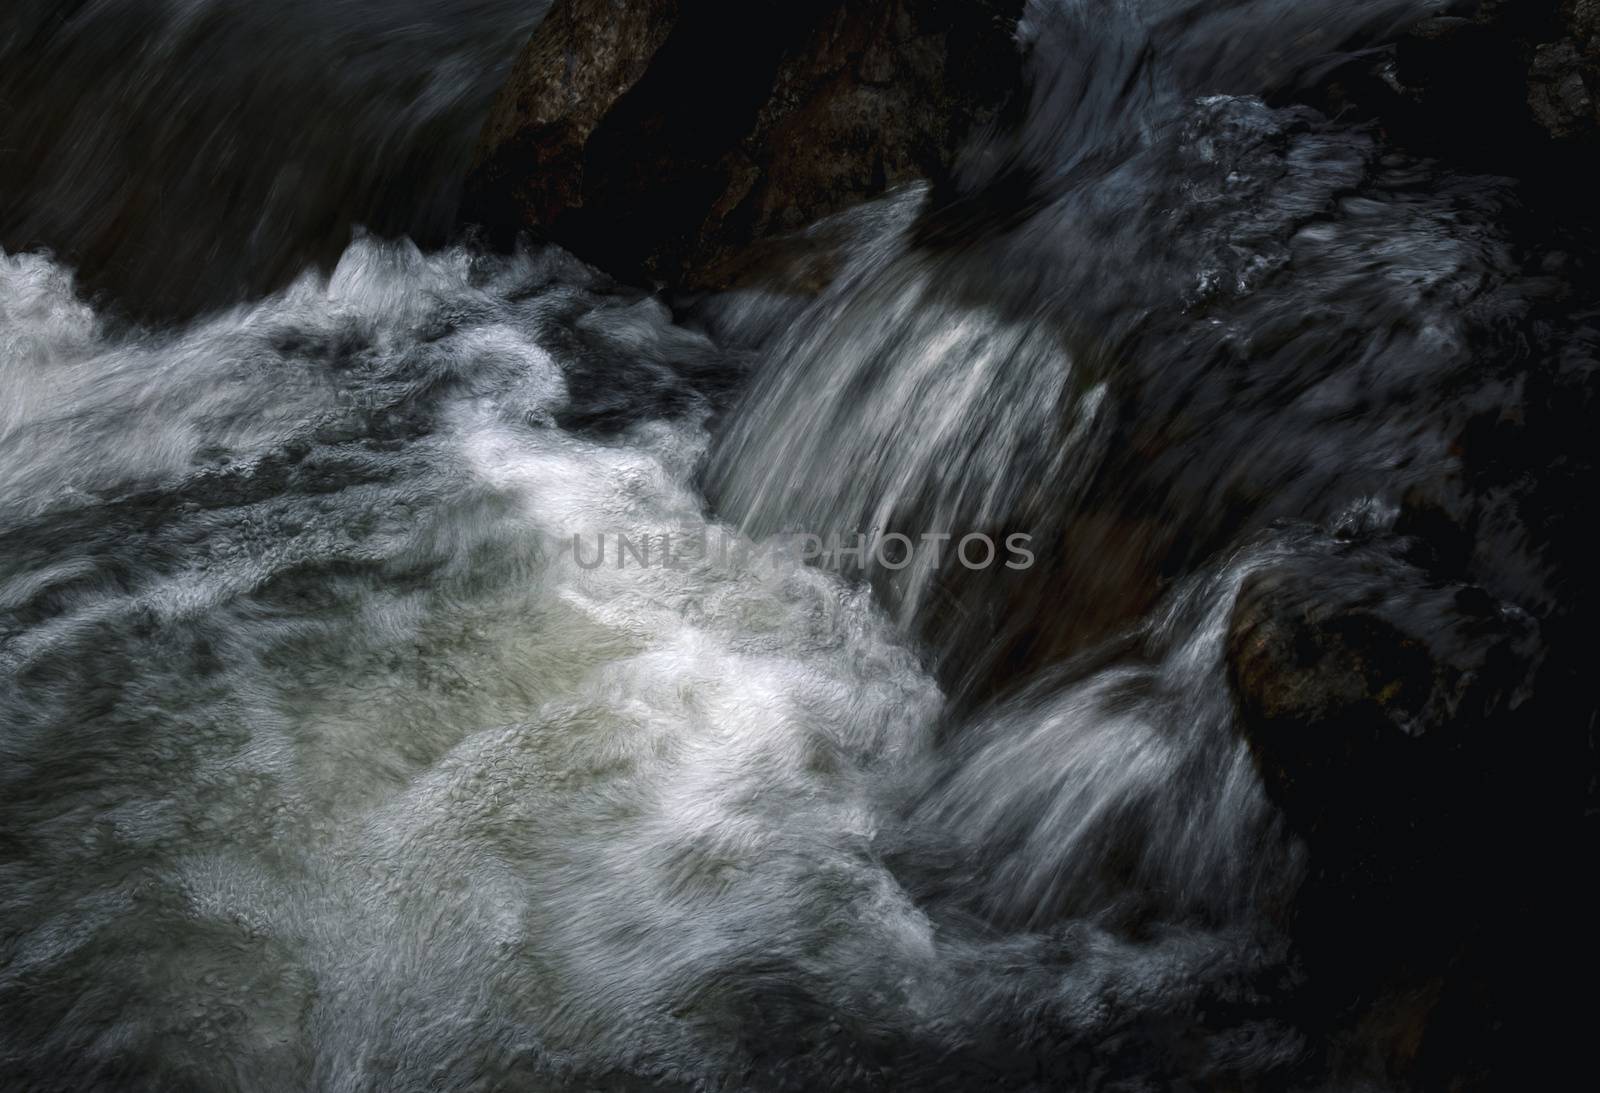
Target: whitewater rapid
325 765
323 769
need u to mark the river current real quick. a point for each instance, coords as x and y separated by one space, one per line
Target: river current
326 762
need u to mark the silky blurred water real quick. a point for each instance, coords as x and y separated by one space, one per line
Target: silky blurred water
323 766
324 769
190 153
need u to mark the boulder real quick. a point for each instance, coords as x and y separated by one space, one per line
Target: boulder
1497 77
661 138
1376 696
1393 713
1564 77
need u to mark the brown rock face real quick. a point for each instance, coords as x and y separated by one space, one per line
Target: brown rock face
1504 64
1393 715
1375 695
659 138
1564 79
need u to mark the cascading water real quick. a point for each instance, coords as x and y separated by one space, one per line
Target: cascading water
1206 308
330 759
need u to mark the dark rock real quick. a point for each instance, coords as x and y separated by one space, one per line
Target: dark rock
659 138
1375 696
1402 721
1558 93
1509 88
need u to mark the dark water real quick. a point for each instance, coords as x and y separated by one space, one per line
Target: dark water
188 153
325 765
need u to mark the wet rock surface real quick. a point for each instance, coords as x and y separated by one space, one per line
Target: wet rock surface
1405 723
1374 694
1510 87
660 137
1214 800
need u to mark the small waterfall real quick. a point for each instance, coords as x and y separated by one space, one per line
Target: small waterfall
1157 316
330 760
894 374
1113 789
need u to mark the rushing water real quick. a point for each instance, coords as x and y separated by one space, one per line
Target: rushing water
327 766
326 761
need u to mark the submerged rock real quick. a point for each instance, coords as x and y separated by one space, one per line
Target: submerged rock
659 138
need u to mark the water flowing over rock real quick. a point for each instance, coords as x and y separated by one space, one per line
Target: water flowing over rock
408 675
